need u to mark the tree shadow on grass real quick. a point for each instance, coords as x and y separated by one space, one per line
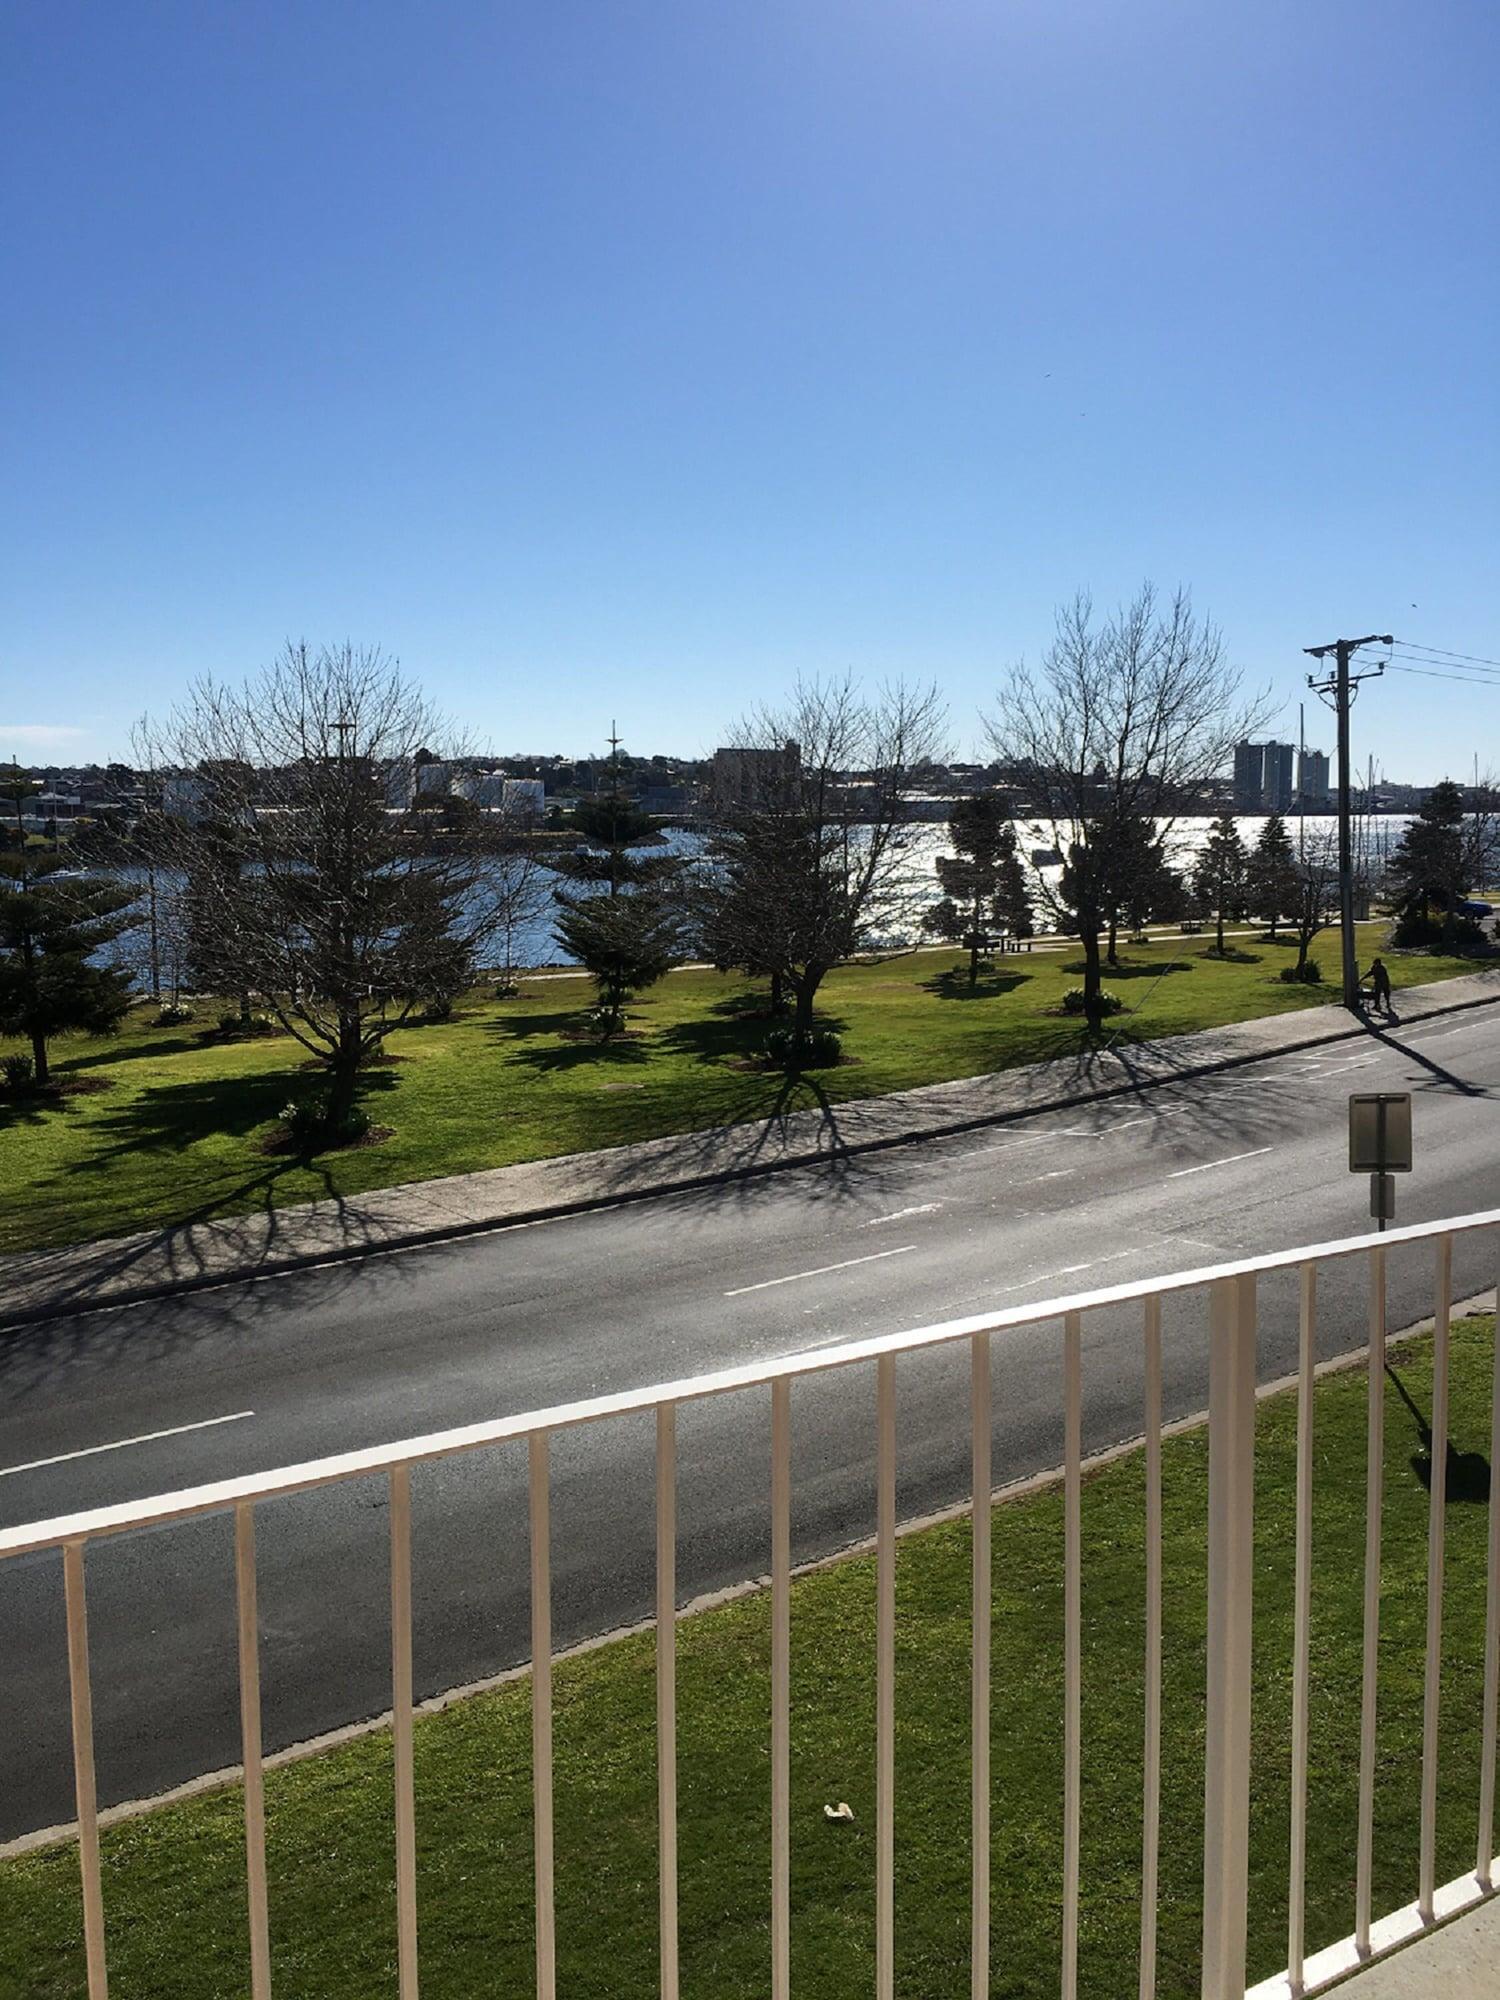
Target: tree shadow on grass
574 1045
954 983
108 1052
1132 969
754 1005
1231 955
170 1117
527 1027
721 1040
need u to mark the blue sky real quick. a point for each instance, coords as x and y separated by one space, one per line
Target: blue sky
629 360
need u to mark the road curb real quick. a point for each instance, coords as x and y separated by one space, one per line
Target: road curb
451 1232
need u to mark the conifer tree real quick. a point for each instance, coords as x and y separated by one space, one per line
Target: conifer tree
1219 878
51 925
1271 876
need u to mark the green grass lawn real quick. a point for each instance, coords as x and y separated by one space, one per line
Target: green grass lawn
174 1135
174 1878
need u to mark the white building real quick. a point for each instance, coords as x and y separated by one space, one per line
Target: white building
524 798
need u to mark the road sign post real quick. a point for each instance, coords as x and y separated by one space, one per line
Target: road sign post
1380 1145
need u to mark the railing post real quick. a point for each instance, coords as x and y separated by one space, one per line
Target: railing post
1231 1505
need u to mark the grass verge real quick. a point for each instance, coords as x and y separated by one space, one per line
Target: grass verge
174 1878
177 1131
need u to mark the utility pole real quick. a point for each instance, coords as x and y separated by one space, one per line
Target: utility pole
1341 687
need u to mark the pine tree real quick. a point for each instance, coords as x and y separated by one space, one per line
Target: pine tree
626 942
1271 877
1429 866
1219 878
50 929
984 887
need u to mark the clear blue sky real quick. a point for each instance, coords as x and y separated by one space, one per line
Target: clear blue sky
604 359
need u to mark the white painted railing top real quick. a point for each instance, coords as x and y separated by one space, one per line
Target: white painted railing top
29 1537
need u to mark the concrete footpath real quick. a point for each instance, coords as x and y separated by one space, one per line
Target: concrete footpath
805 1129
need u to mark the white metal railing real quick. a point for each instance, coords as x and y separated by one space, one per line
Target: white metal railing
1231 1289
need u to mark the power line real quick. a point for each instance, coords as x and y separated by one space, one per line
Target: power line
1475 659
1435 674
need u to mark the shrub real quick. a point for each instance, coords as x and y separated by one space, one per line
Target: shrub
306 1121
230 1022
1309 974
18 1074
1414 932
1109 1003
438 1008
172 1013
820 1048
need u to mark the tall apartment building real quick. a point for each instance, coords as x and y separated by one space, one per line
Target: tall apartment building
1276 777
1312 780
1263 776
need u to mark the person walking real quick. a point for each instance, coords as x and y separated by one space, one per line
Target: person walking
1380 985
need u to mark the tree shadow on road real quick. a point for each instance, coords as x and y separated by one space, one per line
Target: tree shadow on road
1438 1078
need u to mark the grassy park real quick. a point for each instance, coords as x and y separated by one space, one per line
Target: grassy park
174 1883
162 1124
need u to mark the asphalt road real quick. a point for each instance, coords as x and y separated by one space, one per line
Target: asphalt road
258 1375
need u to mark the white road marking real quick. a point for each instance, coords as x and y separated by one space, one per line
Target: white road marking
1057 1174
1228 1160
146 1437
1067 1271
922 1208
822 1271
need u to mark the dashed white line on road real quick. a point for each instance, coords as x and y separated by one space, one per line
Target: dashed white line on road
1057 1174
1067 1271
922 1208
119 1444
1227 1161
821 1272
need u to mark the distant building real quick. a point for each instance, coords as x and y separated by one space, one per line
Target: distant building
523 798
1248 766
741 777
1276 776
1263 776
1312 780
183 793
435 778
481 788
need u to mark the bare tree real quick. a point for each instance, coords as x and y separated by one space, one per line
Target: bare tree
1313 889
809 862
350 906
1125 721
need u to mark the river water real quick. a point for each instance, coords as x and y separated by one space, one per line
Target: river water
533 943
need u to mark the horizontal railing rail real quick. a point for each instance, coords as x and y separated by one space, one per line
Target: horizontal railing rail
219 1495
1231 1289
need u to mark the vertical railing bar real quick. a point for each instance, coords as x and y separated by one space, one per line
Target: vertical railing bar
885 1678
979 1816
1151 1789
1374 1491
1231 1580
781 1688
1302 1631
1436 1517
250 1742
82 1700
401 1731
1484 1859
539 1456
1072 1641
666 1694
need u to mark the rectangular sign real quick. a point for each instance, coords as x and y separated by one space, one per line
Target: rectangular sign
1380 1133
